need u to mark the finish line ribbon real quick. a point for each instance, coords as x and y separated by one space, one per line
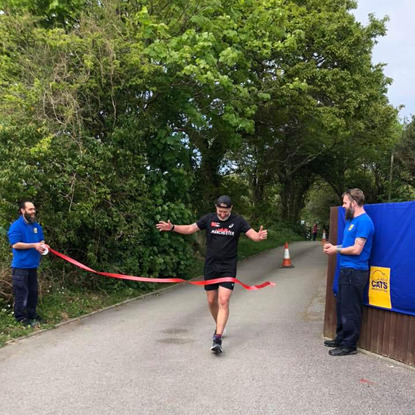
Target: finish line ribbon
161 280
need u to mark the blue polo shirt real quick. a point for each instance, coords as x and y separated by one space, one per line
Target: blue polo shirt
21 231
359 227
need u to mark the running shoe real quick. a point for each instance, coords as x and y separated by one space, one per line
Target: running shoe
217 345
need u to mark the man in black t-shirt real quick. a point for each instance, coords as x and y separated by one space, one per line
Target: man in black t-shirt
222 234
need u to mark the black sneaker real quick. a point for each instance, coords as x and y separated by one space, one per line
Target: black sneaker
24 322
217 345
342 351
331 343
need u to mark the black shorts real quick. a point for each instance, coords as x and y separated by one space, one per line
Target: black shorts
213 272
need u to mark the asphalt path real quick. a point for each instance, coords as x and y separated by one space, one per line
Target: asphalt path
151 356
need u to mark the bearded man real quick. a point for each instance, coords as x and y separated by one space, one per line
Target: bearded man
354 253
27 240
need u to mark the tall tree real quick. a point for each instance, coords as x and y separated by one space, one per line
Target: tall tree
321 90
94 151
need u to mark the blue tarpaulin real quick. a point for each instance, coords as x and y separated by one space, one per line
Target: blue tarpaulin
392 262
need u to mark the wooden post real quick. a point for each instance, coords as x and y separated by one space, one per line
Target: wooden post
330 320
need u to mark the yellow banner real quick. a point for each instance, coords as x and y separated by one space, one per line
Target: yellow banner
379 287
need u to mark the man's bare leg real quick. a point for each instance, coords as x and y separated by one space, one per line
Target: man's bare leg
212 298
224 296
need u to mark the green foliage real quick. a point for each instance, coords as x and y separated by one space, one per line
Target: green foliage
117 114
100 168
9 329
319 200
400 166
405 152
64 13
327 114
276 237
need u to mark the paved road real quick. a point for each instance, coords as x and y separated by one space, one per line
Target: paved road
152 356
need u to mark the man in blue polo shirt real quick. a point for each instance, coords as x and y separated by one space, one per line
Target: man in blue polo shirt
27 240
354 273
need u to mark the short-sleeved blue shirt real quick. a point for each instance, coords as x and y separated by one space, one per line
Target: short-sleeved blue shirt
359 227
21 231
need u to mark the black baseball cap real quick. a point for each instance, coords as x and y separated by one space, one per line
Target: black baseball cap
224 202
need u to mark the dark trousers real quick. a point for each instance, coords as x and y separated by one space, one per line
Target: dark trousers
352 283
25 292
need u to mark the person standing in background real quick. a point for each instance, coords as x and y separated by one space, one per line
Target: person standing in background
314 231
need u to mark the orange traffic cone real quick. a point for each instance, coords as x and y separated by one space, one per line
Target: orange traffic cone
286 263
323 238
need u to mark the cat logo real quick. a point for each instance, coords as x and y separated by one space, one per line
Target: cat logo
379 287
379 280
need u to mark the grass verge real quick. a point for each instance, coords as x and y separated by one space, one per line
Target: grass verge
60 305
248 248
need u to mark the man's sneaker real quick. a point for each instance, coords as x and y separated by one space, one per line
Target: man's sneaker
342 351
217 345
24 322
331 343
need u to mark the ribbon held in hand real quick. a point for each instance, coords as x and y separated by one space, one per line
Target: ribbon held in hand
160 280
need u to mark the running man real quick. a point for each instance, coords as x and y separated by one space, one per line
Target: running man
222 234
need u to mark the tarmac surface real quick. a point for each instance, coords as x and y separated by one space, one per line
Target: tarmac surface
152 355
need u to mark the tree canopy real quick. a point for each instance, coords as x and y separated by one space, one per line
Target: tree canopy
116 114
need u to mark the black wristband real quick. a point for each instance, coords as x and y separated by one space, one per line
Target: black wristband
172 228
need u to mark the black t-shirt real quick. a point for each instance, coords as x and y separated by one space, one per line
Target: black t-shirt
222 237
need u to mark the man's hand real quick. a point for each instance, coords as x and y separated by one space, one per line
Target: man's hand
330 249
164 226
40 247
262 234
257 236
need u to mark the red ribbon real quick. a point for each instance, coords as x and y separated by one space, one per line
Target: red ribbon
161 280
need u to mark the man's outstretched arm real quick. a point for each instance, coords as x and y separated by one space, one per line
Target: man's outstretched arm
183 229
257 236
